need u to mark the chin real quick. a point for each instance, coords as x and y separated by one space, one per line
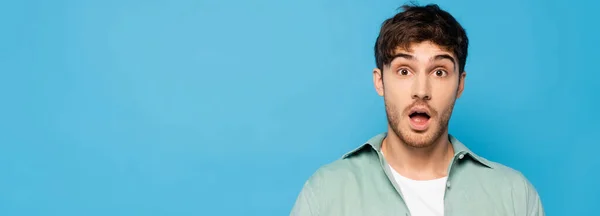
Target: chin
418 139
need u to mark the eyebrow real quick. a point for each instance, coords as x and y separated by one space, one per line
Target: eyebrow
444 56
435 58
403 55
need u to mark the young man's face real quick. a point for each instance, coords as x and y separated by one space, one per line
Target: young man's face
419 88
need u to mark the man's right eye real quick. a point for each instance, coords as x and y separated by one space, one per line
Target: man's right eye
403 72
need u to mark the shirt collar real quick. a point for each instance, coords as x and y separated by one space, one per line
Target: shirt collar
459 149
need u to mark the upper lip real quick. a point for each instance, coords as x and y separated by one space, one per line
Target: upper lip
419 109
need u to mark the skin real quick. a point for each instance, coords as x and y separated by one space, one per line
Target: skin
426 75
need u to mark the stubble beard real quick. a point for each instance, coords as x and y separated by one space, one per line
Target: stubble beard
418 139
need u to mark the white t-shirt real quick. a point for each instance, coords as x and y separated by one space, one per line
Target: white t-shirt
423 198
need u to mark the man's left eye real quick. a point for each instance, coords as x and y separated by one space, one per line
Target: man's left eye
441 73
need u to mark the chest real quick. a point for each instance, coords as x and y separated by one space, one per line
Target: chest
455 201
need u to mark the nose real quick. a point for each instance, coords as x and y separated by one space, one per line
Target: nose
421 88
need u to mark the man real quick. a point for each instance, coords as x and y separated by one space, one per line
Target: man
416 168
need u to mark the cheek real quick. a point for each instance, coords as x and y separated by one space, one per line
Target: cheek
397 94
444 95
397 87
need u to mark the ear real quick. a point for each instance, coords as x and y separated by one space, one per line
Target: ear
378 81
461 84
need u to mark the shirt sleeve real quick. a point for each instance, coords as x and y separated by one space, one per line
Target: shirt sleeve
304 205
534 203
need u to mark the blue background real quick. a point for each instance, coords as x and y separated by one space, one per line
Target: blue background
226 107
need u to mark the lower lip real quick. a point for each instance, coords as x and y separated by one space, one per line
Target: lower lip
419 125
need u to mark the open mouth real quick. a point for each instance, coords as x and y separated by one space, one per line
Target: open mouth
419 119
419 116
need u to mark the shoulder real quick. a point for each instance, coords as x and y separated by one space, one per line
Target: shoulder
491 174
520 189
327 183
349 168
342 171
511 177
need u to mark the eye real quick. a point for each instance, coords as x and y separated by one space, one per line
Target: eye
440 73
403 72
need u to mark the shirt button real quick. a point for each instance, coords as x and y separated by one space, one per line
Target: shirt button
461 156
448 184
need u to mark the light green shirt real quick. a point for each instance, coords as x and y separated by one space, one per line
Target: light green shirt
361 183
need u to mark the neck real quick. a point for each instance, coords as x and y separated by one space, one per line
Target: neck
423 163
